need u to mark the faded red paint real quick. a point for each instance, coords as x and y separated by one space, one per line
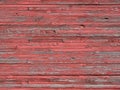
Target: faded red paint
59 44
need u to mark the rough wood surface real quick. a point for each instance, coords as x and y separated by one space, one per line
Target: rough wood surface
60 44
60 69
59 2
61 82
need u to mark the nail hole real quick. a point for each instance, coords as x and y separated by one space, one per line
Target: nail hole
72 58
82 26
54 31
106 18
29 40
16 13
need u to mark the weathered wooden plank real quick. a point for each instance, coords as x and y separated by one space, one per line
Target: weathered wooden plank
29 39
81 80
58 44
59 30
57 15
38 19
91 82
55 89
35 56
63 9
19 50
60 69
62 86
22 21
60 2
29 51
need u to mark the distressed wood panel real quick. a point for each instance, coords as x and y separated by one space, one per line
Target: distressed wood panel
75 49
46 56
58 15
53 89
81 80
59 30
59 44
60 2
20 39
56 82
60 69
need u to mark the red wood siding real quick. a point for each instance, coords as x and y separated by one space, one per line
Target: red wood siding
59 44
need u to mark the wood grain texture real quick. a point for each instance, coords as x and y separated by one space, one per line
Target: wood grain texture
59 44
53 89
60 15
60 69
56 82
60 2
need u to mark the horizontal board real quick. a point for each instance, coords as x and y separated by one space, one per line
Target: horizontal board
62 9
16 31
60 69
64 44
55 89
60 15
81 80
60 82
60 2
36 56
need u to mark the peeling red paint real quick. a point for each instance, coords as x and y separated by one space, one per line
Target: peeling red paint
59 44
